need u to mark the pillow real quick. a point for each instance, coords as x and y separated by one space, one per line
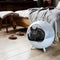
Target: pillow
58 5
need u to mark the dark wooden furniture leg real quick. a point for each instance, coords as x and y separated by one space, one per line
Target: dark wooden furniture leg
6 26
0 23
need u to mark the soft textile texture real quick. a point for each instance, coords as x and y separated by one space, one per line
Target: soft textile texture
23 13
3 13
51 16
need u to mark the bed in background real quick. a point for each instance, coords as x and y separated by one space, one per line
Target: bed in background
24 17
14 19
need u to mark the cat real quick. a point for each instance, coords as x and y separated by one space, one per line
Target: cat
36 34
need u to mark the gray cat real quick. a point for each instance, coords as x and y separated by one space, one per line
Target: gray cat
36 34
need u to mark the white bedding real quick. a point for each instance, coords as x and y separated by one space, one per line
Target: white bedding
23 13
3 13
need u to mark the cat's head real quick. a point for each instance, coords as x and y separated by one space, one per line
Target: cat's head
36 34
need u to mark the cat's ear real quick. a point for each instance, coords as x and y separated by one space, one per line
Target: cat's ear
31 28
36 28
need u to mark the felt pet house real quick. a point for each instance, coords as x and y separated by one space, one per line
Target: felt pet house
48 38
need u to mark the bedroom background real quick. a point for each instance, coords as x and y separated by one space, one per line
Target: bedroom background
14 5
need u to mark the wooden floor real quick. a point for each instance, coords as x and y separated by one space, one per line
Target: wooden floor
20 49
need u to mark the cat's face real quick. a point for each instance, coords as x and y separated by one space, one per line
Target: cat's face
36 34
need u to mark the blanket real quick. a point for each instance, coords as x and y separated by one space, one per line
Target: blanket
3 13
51 16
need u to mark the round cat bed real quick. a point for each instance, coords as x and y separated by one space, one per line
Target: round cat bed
42 37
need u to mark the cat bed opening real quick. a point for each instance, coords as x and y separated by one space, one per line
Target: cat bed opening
36 34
